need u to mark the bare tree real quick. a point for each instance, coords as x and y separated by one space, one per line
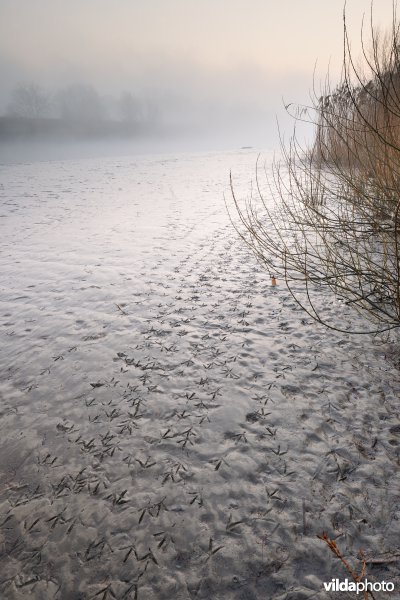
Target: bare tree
331 218
130 108
29 101
80 103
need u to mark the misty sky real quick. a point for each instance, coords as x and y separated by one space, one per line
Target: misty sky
214 57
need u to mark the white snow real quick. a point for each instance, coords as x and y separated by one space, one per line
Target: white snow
171 425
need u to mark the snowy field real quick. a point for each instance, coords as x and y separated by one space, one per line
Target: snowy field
171 426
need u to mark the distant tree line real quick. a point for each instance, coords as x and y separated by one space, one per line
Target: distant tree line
77 110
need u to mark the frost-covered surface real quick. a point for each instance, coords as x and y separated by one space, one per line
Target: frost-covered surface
171 426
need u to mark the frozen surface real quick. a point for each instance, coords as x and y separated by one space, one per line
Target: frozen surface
171 426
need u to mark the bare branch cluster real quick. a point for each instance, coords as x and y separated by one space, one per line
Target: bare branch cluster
331 217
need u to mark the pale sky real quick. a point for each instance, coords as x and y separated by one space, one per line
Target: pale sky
231 53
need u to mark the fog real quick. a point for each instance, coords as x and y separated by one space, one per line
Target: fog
152 75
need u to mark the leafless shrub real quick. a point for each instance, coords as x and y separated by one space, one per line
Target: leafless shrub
331 216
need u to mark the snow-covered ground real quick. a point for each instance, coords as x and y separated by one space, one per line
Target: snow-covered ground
171 426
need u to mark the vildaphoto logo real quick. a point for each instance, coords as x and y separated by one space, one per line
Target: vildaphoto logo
358 586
